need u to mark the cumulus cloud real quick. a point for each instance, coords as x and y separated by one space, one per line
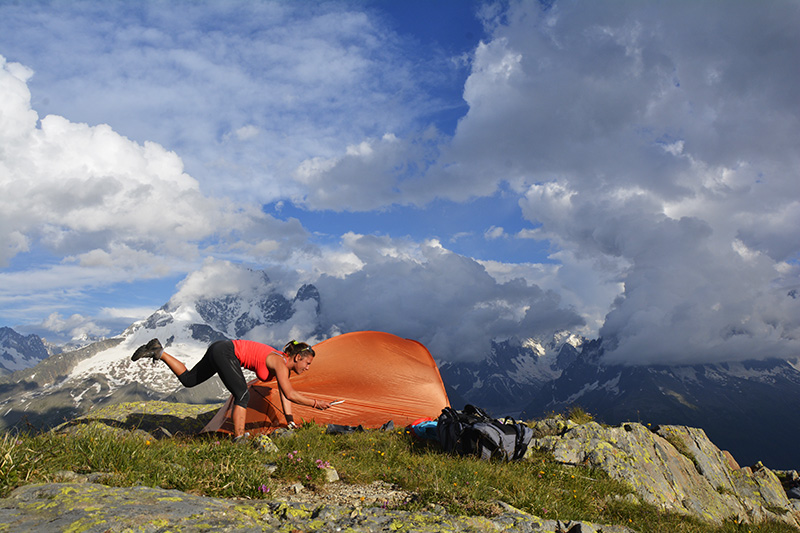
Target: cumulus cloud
661 151
76 326
108 321
244 91
448 302
690 292
368 175
216 279
100 208
453 304
653 145
657 154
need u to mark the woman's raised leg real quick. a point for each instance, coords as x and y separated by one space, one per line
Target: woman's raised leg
176 366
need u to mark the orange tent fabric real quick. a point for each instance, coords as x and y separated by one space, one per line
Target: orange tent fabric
380 376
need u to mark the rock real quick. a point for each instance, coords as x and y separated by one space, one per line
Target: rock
731 461
90 508
626 498
677 469
331 475
556 425
756 490
68 476
264 444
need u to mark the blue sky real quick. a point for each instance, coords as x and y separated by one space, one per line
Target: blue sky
624 169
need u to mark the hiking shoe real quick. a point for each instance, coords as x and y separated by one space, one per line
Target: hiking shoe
151 350
242 439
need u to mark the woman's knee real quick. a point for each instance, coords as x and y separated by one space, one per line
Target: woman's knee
242 399
188 379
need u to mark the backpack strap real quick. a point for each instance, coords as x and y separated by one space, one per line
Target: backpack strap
477 413
518 443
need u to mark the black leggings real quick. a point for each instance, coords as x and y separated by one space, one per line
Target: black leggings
220 358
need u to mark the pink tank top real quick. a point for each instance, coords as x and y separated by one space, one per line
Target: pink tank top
253 356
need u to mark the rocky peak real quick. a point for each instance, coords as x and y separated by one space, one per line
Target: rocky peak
308 292
18 351
515 370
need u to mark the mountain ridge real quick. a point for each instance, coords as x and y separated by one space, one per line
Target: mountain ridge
70 383
18 351
745 406
741 405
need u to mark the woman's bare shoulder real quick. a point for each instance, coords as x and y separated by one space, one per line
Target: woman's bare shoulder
275 358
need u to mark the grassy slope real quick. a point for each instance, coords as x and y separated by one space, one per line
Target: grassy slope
119 447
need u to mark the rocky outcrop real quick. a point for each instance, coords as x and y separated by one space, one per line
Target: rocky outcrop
673 467
89 508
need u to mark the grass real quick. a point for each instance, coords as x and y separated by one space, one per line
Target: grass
218 467
578 415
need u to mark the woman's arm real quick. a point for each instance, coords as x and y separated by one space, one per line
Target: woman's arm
276 364
287 407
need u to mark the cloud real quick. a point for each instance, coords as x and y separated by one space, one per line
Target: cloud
76 326
494 232
601 94
73 187
109 321
216 279
448 302
358 180
653 146
453 304
244 91
371 174
692 291
246 133
657 150
95 208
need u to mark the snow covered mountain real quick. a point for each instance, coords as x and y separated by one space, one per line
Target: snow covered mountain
69 383
18 352
511 375
747 407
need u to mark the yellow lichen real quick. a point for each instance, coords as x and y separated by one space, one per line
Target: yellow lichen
169 499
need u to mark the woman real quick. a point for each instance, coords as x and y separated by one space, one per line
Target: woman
227 358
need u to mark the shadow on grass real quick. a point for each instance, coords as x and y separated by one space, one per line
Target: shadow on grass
158 425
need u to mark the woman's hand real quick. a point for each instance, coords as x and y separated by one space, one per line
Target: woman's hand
321 405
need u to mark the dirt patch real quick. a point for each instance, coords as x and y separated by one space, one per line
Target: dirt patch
375 494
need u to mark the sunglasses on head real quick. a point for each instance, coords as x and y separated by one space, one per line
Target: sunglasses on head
304 348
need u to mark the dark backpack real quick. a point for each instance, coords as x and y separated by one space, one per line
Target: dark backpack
473 432
451 424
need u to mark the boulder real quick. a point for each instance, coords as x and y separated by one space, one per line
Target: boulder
677 469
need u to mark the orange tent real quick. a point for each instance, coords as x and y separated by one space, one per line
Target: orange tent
380 377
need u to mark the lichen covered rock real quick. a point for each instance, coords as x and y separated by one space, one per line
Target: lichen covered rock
675 468
91 508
